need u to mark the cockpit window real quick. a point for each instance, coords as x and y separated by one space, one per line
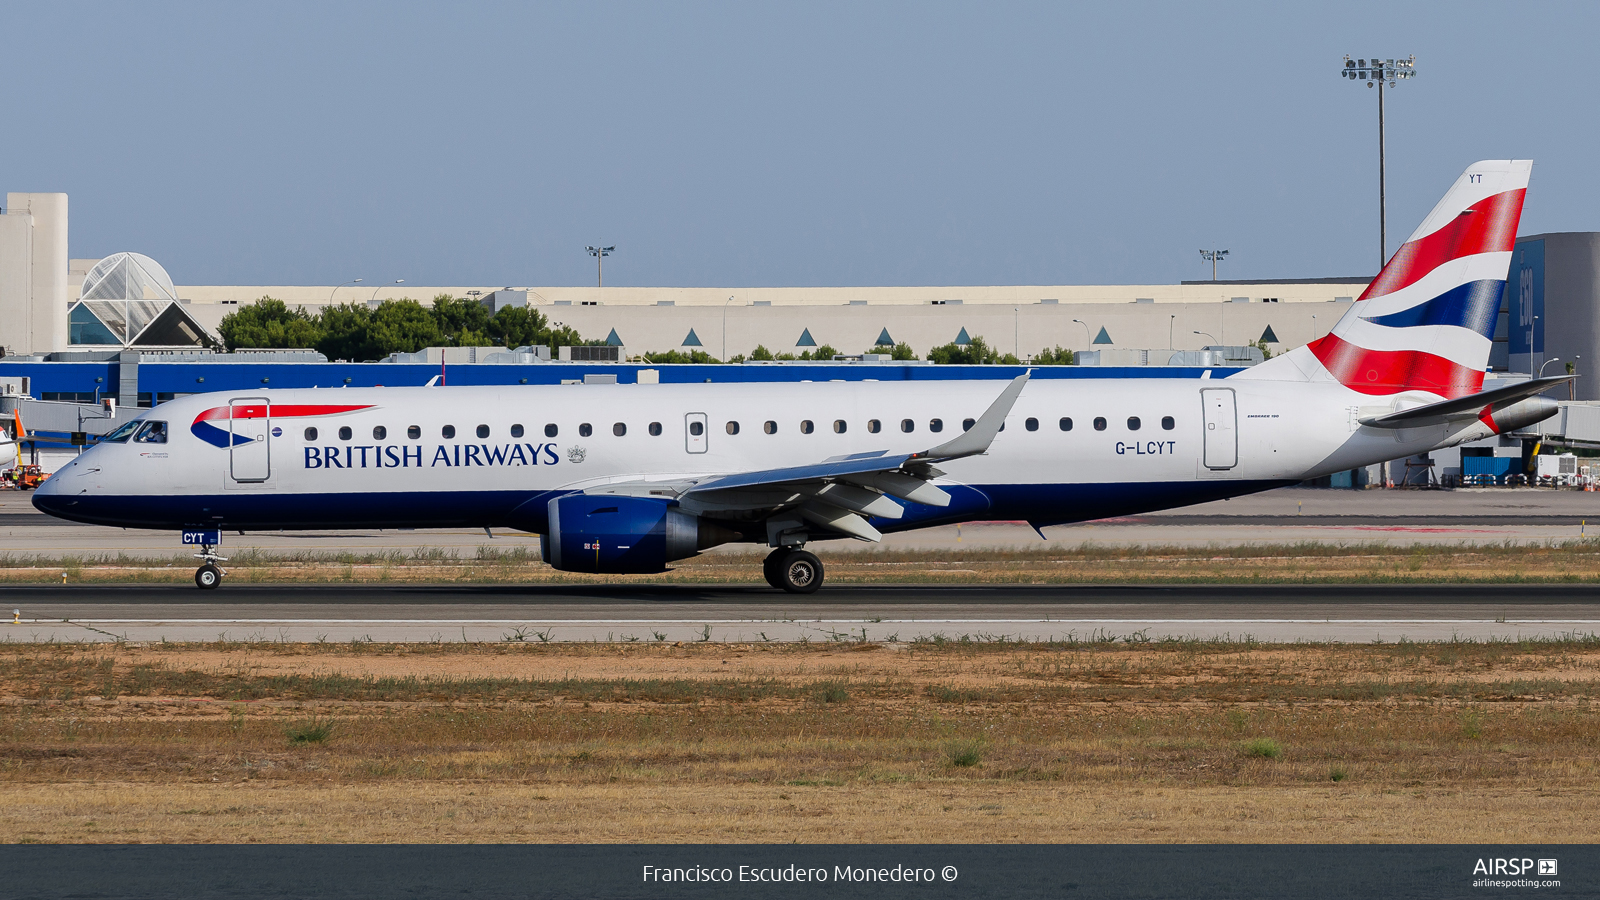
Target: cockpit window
152 433
123 433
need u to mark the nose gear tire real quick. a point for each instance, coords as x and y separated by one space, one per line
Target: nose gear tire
207 577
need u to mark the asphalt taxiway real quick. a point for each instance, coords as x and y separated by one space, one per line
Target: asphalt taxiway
384 613
1286 515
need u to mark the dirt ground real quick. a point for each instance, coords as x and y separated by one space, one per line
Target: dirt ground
934 742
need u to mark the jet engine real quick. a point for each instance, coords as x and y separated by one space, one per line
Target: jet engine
613 535
1506 419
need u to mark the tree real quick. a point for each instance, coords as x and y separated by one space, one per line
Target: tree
1056 357
518 326
346 333
463 322
976 353
678 356
269 324
824 353
900 351
1266 352
402 326
762 353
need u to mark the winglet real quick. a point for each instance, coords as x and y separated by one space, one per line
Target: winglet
981 435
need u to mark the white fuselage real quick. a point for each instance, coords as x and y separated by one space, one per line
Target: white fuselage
494 456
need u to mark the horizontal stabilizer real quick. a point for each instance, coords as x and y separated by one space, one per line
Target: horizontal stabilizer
1468 407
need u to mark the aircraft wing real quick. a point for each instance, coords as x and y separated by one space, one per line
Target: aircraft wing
1469 407
838 493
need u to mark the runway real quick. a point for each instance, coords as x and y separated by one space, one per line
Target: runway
898 613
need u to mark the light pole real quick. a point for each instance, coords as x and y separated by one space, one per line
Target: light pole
1209 335
1171 321
1016 330
725 329
599 254
1392 71
1088 342
1546 363
340 285
381 287
1212 256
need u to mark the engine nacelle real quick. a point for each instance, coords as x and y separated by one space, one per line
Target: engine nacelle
623 535
1509 418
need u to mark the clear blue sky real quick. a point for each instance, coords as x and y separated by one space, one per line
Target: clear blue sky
746 144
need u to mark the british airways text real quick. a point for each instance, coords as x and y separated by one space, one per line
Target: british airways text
404 457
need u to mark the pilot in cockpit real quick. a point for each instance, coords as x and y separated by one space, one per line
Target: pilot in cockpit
152 433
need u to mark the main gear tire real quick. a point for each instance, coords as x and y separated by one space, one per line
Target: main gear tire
771 565
800 572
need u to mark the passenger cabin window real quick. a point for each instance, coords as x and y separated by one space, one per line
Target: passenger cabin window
655 429
1133 423
516 431
839 426
874 426
966 424
770 427
806 426
935 424
907 426
619 429
1032 424
697 428
585 429
1066 423
379 432
311 434
448 431
412 431
551 431
152 433
1167 423
732 427
483 431
1099 423
344 432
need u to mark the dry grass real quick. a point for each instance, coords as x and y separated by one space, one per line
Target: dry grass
1457 742
1577 560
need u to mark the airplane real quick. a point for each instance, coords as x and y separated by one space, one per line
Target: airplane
627 478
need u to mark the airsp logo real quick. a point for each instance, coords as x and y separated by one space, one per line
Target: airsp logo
1502 866
576 454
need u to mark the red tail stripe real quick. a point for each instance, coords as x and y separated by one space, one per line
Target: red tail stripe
1392 371
1489 226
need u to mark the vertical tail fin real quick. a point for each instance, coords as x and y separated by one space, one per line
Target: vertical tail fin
1426 323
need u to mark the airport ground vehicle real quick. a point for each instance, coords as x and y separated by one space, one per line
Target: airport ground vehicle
628 478
24 478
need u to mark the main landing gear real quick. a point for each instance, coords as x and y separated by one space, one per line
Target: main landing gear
793 570
209 575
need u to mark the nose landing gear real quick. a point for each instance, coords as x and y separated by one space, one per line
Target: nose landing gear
793 570
209 575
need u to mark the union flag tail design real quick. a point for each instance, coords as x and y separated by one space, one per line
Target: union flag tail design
1426 323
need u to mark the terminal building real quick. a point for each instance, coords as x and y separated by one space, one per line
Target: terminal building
81 331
